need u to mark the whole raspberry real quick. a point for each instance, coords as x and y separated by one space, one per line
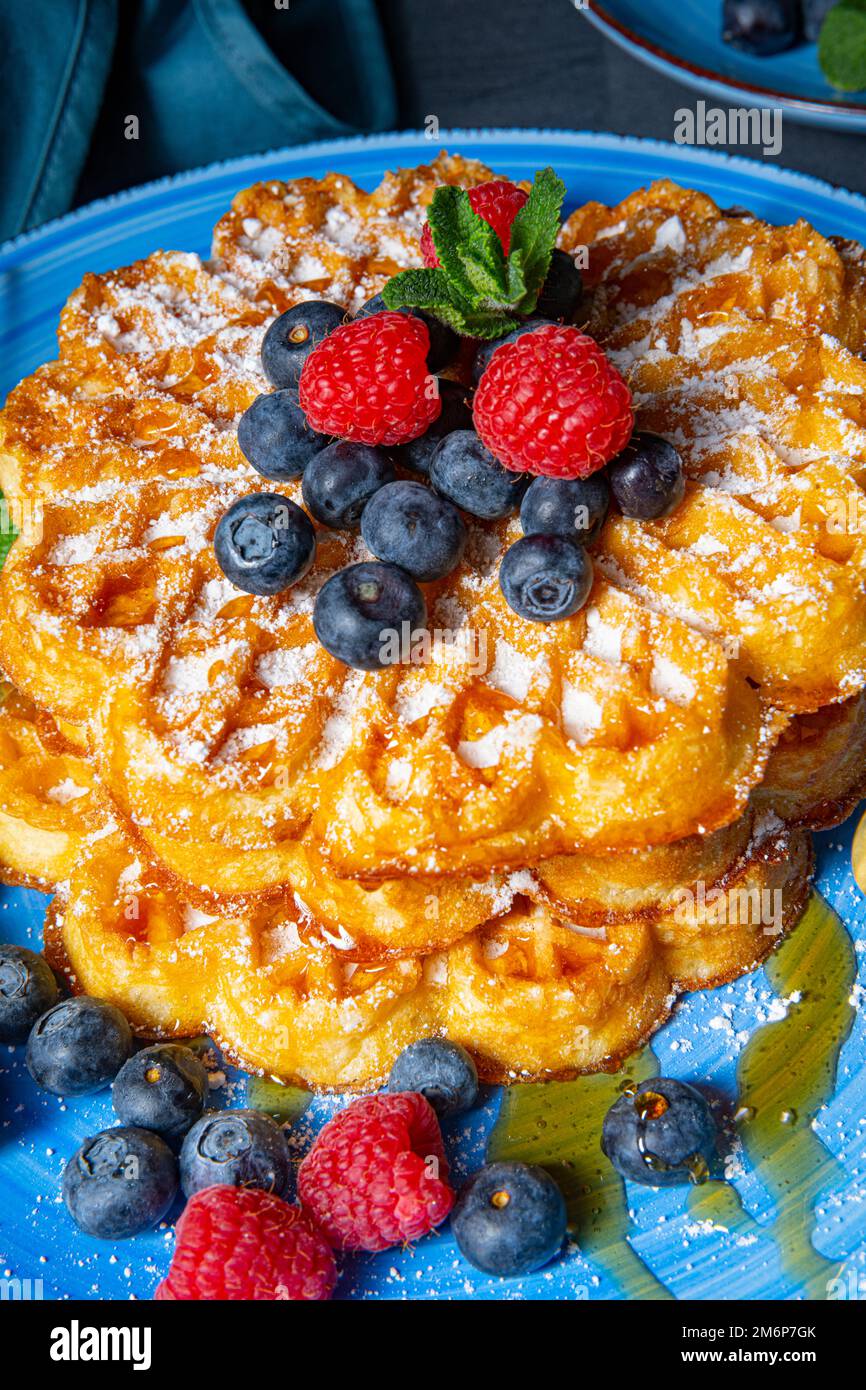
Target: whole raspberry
369 381
498 202
377 1174
242 1243
552 403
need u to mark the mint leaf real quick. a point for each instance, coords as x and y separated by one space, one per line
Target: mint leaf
533 235
7 530
431 290
842 46
469 250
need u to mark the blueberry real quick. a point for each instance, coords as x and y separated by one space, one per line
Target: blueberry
467 473
27 989
120 1182
274 436
509 1219
573 507
291 338
340 481
361 611
482 357
562 290
444 342
264 543
409 525
161 1088
545 578
79 1046
442 1071
647 479
456 414
814 14
761 27
236 1148
661 1134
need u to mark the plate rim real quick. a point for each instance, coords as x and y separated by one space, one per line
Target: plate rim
395 140
628 39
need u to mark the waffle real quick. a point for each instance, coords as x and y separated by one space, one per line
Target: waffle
514 841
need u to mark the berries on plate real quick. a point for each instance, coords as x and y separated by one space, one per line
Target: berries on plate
486 349
120 1182
439 1070
236 1148
161 1088
292 337
509 1219
79 1046
273 435
377 1174
340 481
369 381
498 201
456 414
647 479
264 543
662 1133
552 403
545 578
444 342
27 989
761 27
463 470
241 1244
571 507
409 525
562 290
360 613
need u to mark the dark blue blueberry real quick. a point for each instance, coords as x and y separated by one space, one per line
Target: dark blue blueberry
509 1219
573 507
467 473
236 1148
274 436
662 1133
264 543
365 615
120 1182
647 479
562 290
456 414
442 1071
339 482
761 27
486 350
292 337
162 1088
79 1046
27 989
444 342
412 527
814 14
545 578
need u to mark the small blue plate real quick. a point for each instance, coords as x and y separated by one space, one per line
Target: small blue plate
664 1248
683 39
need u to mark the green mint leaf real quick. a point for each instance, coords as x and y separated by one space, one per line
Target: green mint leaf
842 46
533 235
7 531
469 250
430 290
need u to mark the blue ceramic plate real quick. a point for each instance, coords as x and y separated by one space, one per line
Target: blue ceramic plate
784 1047
683 39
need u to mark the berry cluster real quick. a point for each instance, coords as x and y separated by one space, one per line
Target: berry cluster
386 446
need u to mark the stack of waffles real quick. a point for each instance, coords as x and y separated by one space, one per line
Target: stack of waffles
527 838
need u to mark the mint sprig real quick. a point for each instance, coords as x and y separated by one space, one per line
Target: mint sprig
476 289
842 46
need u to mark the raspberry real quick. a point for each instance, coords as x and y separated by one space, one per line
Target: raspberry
552 403
369 1180
498 202
242 1243
368 381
